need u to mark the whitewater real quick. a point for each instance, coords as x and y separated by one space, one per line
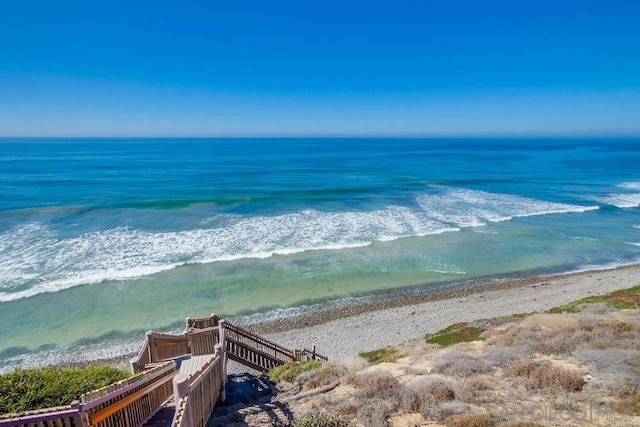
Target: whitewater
121 236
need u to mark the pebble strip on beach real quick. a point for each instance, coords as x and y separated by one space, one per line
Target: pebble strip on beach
344 332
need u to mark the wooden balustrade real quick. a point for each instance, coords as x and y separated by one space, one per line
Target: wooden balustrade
203 341
247 339
140 360
199 384
202 322
197 389
166 346
131 401
63 416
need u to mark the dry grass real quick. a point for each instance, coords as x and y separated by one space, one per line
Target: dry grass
629 405
471 420
526 363
545 375
460 364
505 356
325 375
589 332
476 390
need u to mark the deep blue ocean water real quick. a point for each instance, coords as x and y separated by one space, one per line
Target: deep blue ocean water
101 240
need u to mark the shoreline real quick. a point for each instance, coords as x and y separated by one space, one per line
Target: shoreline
342 332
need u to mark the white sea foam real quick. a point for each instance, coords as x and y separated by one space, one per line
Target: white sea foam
629 198
473 208
622 200
34 259
631 185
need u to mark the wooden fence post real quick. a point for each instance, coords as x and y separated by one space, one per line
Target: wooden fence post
153 348
221 347
80 418
180 390
219 350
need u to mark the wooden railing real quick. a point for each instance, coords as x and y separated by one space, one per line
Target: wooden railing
128 402
203 341
63 416
159 346
132 401
204 348
166 346
197 389
307 355
241 338
202 322
143 358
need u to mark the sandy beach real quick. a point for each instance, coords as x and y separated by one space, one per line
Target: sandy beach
341 335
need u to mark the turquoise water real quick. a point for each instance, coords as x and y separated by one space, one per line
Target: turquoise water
101 240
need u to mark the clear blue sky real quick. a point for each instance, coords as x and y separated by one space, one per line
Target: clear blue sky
214 67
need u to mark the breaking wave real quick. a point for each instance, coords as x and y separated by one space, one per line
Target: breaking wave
34 259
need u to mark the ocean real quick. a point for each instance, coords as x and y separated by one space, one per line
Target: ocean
104 239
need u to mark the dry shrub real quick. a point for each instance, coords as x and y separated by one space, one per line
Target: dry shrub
610 359
475 390
589 332
569 402
347 407
618 385
505 356
616 370
320 377
597 308
470 420
629 405
416 372
374 412
449 409
545 375
460 364
428 397
520 424
379 384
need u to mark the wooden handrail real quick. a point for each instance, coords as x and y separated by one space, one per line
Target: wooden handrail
43 415
255 350
241 331
104 413
225 337
148 376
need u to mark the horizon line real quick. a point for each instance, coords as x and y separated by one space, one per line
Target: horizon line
335 136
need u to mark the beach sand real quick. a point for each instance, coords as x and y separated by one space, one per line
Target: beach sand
343 332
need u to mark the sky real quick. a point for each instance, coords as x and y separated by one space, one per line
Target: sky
318 68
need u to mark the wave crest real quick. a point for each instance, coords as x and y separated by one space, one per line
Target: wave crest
34 259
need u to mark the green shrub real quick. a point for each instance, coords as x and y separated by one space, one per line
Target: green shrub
387 354
622 299
30 389
290 371
454 334
316 420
